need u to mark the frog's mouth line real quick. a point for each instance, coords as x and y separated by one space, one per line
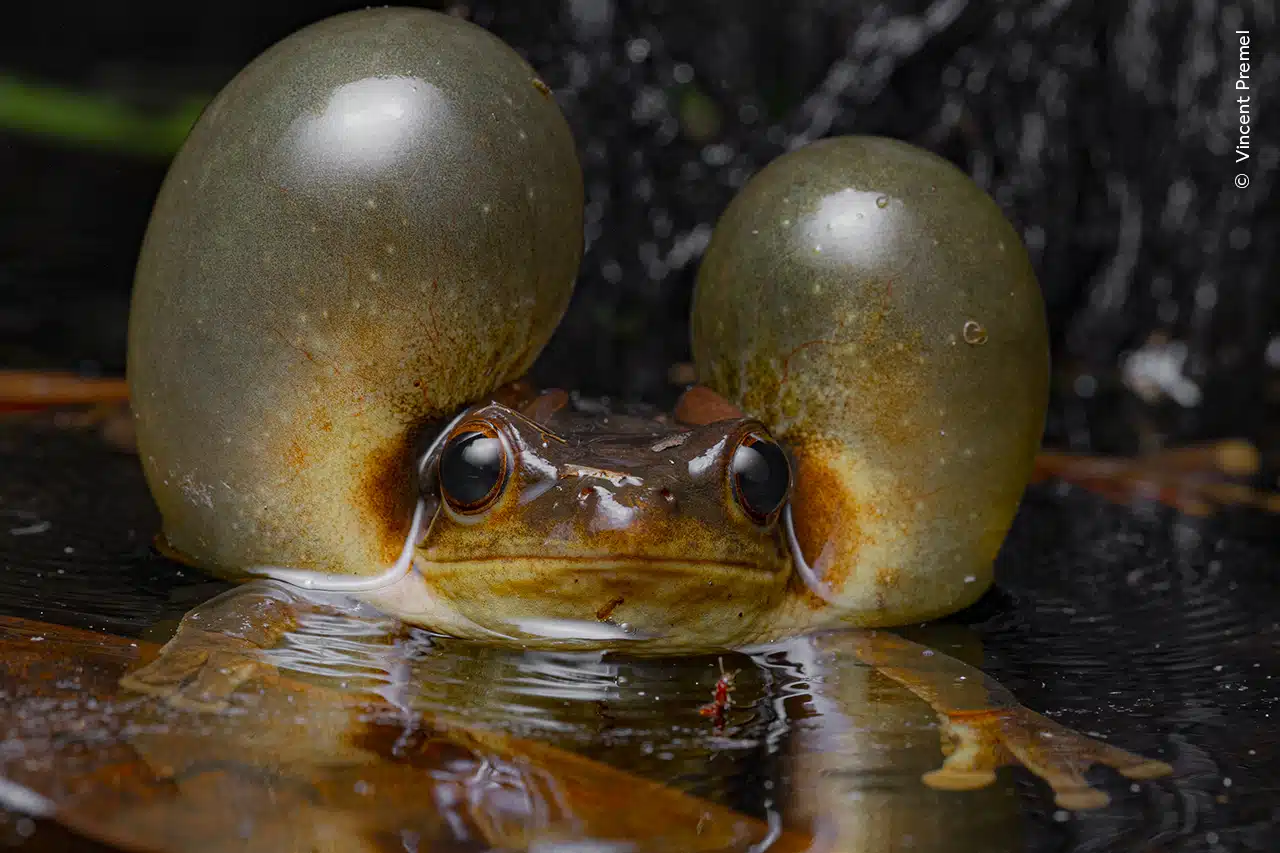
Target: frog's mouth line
603 563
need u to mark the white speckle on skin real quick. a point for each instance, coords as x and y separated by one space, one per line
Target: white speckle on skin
673 440
699 464
197 493
615 478
610 515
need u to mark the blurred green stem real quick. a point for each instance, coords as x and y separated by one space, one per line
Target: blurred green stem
94 120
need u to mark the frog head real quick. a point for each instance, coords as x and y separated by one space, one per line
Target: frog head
559 518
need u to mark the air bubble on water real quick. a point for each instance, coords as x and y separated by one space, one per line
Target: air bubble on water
975 334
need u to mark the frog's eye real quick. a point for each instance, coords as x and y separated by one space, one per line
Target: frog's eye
761 476
473 467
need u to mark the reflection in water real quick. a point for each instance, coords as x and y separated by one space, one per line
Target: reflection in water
378 738
296 766
828 750
859 745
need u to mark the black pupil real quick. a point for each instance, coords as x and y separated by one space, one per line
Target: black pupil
470 468
762 475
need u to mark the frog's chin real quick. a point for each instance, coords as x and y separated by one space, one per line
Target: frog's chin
633 604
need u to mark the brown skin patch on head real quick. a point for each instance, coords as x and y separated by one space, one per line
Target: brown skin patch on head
700 405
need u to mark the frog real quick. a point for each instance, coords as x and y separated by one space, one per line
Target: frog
560 523
334 311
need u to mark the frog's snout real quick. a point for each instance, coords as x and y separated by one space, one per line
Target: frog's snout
609 500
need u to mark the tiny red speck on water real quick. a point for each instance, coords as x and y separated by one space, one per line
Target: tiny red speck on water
720 702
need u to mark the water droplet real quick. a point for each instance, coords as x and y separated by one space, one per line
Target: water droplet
882 201
975 334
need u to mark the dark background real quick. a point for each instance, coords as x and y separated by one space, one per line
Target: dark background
1104 130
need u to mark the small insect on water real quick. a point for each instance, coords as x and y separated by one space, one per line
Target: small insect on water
720 703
